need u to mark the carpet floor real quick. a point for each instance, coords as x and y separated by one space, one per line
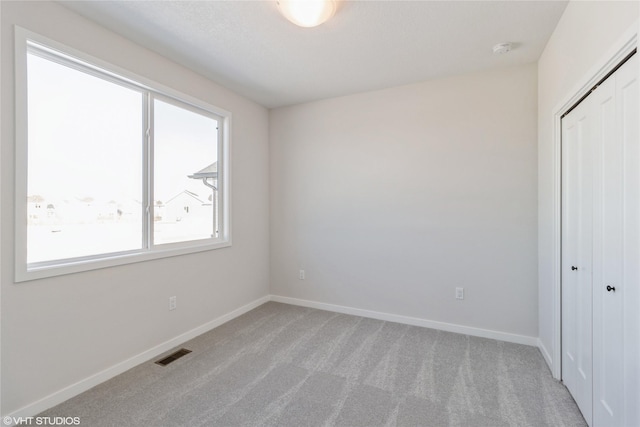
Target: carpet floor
282 365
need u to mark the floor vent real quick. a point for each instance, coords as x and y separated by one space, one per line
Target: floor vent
174 356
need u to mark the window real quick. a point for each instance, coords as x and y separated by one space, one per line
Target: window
182 142
115 169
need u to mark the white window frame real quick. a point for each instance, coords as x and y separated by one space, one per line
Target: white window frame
151 90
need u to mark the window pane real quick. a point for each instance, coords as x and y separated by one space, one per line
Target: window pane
84 193
185 170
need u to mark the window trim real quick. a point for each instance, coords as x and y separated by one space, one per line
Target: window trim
25 272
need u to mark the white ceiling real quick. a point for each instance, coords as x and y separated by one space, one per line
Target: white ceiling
250 48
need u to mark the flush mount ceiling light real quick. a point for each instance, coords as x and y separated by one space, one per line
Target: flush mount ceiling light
307 13
501 48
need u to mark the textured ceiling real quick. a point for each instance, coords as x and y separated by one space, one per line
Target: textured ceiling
250 48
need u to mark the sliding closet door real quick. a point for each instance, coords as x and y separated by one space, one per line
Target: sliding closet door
614 130
577 257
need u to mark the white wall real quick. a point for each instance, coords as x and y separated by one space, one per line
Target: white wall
583 36
58 331
391 199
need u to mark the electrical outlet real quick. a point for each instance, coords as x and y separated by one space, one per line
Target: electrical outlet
459 293
173 303
301 275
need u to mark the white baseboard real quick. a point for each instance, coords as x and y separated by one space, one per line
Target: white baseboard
66 393
545 354
443 326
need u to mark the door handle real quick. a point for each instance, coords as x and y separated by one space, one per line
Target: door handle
611 288
573 267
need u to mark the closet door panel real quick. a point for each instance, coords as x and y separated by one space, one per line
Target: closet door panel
577 258
607 256
616 263
627 93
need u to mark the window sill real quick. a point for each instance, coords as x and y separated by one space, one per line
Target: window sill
61 268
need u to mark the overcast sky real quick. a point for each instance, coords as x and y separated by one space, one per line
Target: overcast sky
85 139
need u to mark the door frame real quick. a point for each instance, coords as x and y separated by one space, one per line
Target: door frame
623 47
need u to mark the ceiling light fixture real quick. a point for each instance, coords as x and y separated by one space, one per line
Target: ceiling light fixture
501 48
307 13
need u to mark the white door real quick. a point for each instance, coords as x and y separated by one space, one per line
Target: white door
577 257
600 247
615 132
